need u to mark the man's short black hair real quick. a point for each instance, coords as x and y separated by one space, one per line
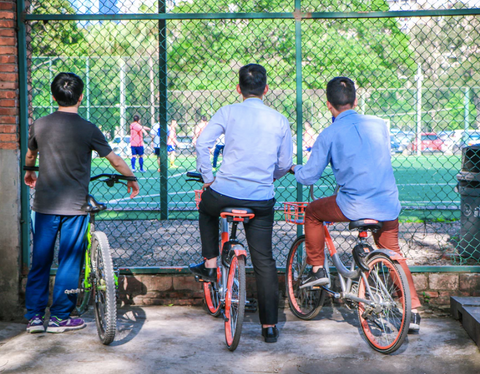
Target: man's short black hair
136 118
341 92
252 79
204 118
67 89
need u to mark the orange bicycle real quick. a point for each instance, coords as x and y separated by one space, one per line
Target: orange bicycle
374 284
228 294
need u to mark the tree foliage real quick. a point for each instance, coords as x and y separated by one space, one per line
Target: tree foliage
448 49
54 38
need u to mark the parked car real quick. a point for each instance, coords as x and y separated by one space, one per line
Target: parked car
473 138
396 146
184 144
452 140
121 146
429 142
404 138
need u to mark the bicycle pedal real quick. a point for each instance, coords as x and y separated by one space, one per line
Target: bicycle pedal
251 306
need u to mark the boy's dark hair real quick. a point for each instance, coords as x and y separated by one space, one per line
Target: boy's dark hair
252 79
67 89
341 92
204 118
136 118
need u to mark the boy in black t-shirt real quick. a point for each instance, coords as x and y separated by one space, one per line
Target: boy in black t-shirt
66 142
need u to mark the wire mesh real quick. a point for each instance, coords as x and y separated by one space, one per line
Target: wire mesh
420 74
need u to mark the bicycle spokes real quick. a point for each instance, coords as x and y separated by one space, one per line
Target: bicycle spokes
384 318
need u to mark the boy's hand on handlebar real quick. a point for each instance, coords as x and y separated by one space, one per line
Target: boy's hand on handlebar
30 179
132 186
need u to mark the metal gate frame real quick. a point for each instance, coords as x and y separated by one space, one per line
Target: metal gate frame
163 17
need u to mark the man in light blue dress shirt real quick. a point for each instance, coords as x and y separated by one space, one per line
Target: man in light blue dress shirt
358 149
258 150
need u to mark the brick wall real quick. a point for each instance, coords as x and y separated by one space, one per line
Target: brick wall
10 248
434 289
8 77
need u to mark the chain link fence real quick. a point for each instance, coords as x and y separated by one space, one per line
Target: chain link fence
176 62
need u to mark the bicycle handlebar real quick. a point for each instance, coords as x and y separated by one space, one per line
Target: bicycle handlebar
195 177
110 180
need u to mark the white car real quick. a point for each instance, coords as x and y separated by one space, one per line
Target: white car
121 146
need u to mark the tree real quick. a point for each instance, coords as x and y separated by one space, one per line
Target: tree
448 49
54 38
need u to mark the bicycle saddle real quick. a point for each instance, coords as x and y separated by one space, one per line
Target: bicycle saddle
237 214
92 205
365 224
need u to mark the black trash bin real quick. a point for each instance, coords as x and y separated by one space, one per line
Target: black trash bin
469 189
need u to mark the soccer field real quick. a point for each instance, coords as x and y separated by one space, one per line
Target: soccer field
426 184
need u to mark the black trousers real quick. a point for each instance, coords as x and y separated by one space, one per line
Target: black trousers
258 232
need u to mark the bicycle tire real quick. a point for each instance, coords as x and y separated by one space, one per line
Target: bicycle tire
304 303
385 330
104 290
235 302
211 298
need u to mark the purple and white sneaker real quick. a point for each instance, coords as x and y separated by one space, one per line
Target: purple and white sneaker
57 325
35 324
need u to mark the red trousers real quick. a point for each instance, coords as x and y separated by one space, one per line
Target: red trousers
326 209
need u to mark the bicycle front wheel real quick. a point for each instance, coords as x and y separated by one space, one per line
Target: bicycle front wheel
104 290
384 321
305 303
235 302
211 297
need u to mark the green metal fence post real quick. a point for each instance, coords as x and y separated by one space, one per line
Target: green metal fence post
299 98
162 88
23 119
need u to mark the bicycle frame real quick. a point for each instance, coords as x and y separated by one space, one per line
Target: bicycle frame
237 248
87 280
352 273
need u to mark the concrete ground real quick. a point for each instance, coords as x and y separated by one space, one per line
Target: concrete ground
187 340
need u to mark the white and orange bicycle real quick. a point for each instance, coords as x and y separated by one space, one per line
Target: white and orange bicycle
227 296
373 284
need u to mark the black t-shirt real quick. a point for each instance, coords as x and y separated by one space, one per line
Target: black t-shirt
65 142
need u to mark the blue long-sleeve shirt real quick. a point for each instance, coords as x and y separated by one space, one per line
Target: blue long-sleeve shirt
358 149
258 149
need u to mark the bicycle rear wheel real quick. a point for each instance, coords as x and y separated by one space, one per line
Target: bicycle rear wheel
104 290
235 302
385 323
211 297
304 303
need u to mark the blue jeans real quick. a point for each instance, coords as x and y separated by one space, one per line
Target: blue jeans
73 242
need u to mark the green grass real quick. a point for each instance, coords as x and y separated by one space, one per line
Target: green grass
424 182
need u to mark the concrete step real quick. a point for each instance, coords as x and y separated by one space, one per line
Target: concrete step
467 311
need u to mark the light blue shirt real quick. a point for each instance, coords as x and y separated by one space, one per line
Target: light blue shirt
358 149
258 149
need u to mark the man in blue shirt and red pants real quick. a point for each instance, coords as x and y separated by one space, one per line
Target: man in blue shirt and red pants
358 149
258 150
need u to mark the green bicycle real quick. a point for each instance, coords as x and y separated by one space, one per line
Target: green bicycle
99 278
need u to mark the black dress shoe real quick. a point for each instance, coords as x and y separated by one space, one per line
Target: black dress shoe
206 274
270 334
